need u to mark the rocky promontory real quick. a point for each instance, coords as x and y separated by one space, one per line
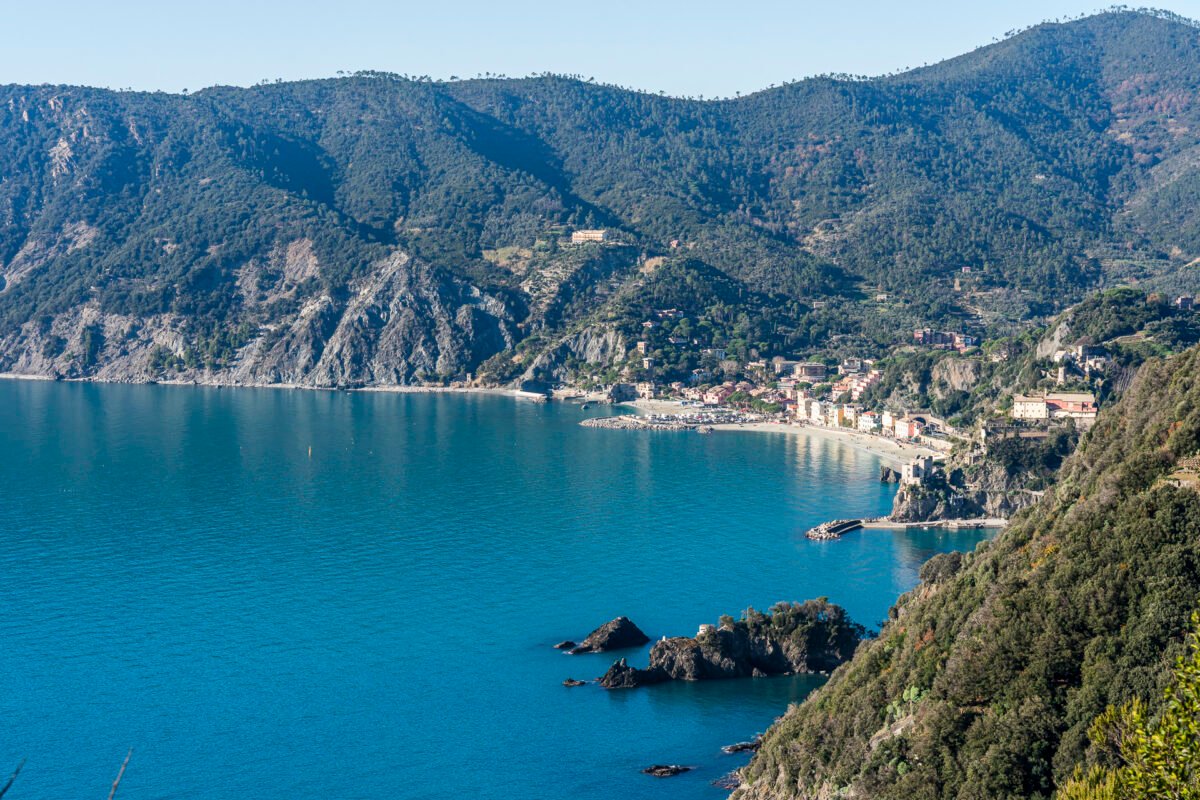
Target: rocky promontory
814 636
617 634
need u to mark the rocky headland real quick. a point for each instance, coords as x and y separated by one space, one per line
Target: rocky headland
814 636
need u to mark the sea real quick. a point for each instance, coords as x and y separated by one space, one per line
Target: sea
277 594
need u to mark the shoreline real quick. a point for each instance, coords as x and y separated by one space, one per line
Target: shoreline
497 391
889 450
979 523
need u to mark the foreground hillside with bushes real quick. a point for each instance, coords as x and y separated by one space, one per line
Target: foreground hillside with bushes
985 680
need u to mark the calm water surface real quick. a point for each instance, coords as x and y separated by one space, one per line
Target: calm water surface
278 594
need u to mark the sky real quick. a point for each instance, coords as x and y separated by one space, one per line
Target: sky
696 48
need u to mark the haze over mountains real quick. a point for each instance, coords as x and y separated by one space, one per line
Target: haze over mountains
378 230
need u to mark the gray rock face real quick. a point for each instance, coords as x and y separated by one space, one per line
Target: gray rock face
595 346
405 322
954 375
616 634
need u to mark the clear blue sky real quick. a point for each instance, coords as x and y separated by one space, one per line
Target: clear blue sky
688 48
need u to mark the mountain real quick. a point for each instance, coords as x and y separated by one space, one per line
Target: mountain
375 229
985 679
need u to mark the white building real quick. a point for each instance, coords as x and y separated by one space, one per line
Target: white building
579 237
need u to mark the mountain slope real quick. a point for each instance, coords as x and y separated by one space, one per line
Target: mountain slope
986 677
152 235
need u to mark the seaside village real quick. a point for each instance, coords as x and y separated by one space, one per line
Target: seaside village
814 393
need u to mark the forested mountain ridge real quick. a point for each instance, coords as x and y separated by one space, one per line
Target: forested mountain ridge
985 679
373 229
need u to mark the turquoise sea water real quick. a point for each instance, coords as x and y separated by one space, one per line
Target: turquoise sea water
373 618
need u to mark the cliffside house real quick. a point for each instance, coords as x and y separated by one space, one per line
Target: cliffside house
944 340
1080 406
852 366
916 471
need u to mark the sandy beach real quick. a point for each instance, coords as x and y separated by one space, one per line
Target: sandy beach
889 450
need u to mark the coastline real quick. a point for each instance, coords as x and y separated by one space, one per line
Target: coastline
889 450
488 390
16 376
497 391
948 524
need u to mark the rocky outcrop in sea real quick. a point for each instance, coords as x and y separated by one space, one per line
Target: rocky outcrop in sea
814 636
617 634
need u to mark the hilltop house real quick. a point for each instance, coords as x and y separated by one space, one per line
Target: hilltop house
582 236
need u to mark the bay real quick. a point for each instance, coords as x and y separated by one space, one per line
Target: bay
276 594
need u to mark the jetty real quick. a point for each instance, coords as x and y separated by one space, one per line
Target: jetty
834 529
947 524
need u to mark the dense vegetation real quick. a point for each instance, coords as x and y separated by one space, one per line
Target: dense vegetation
827 213
986 679
1155 757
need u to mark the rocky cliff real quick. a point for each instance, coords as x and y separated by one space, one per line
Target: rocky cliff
987 490
1012 475
401 323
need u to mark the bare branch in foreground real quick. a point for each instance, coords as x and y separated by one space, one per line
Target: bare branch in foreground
12 778
117 782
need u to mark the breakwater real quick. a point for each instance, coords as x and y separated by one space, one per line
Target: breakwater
833 529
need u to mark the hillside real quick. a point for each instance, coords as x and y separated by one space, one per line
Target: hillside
374 229
985 679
